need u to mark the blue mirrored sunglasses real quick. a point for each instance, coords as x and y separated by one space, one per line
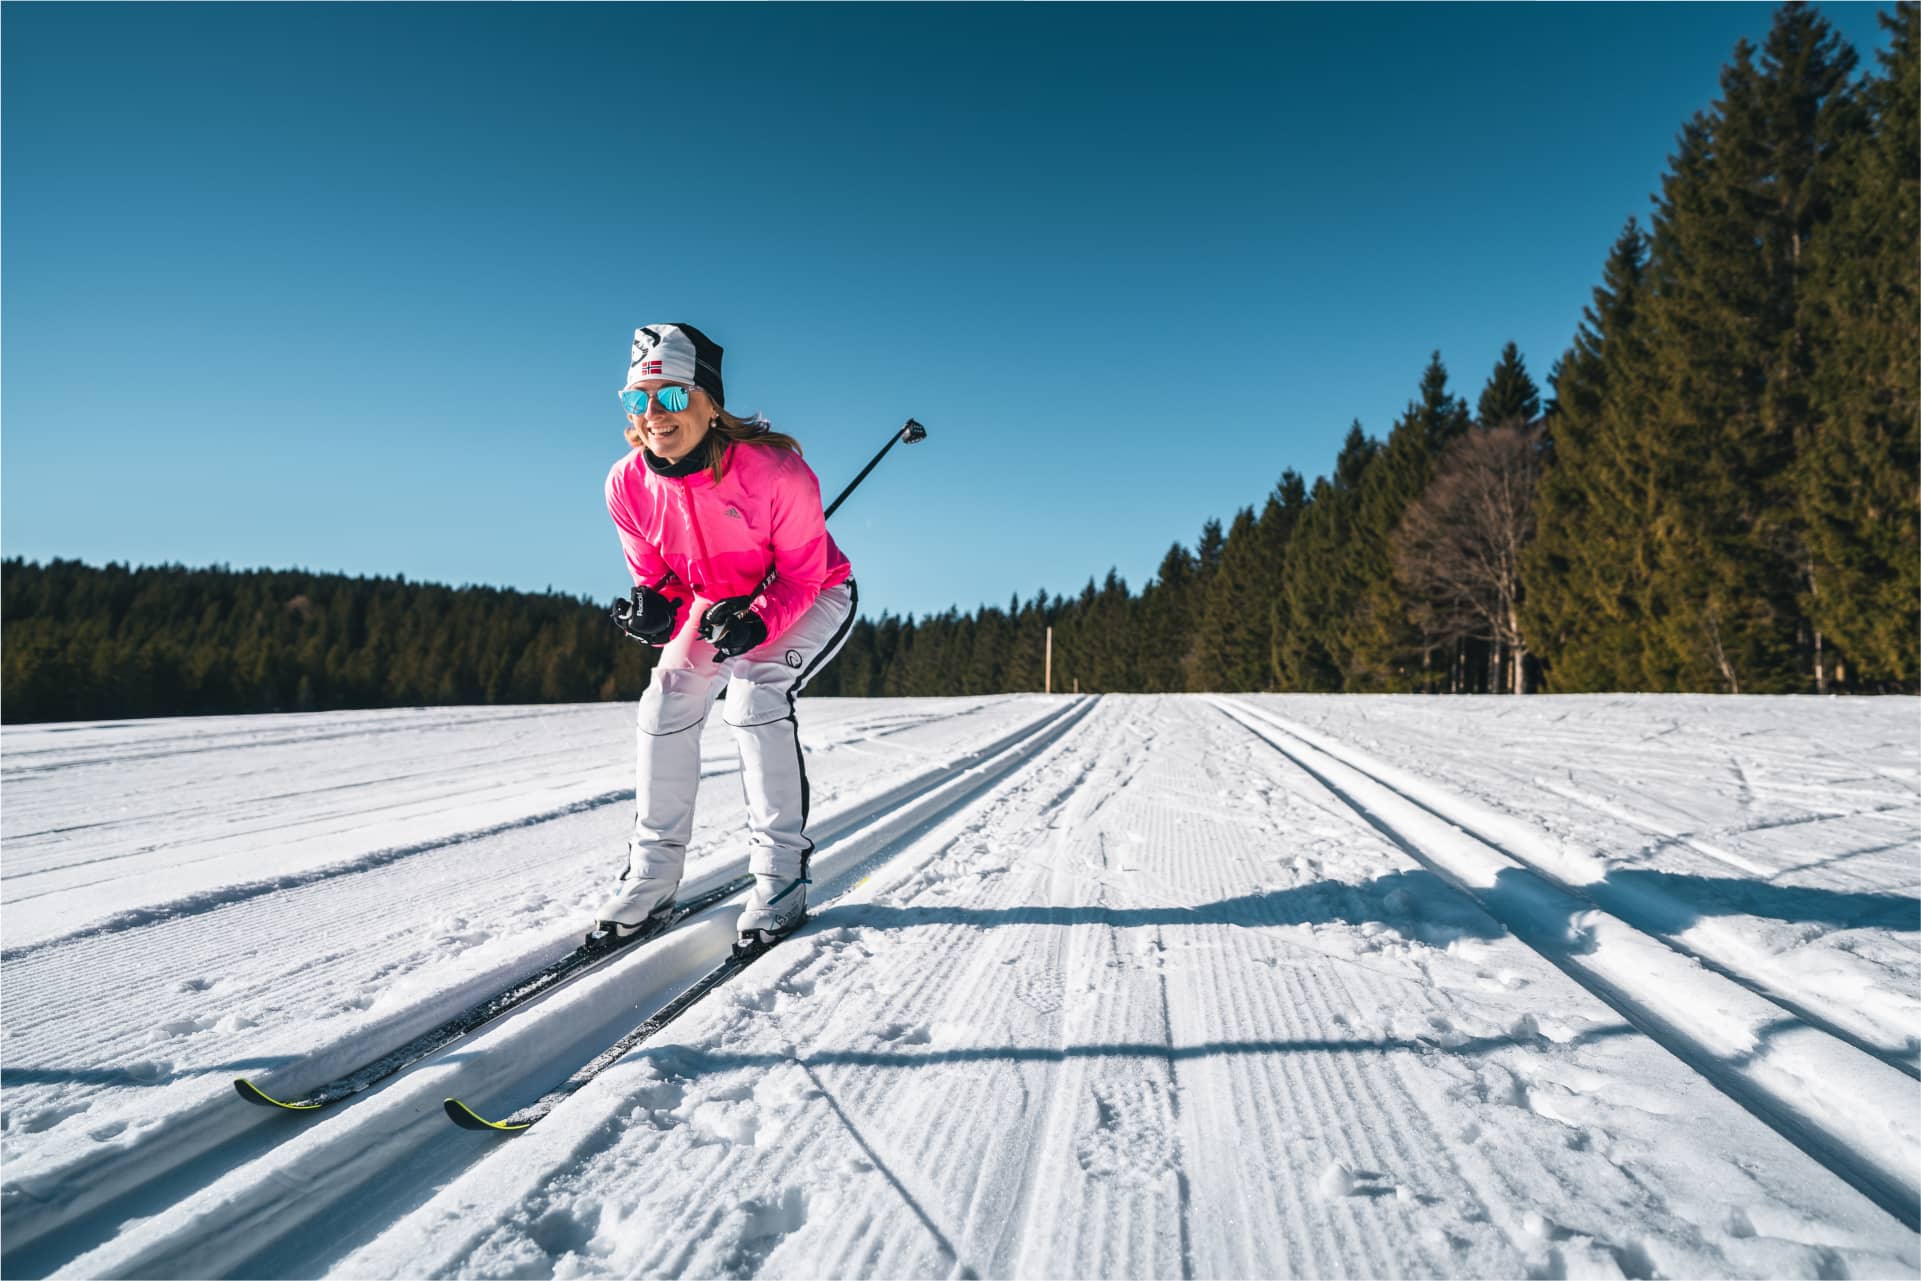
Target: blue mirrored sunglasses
670 399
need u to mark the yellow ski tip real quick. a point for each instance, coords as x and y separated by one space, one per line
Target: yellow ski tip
254 1094
468 1119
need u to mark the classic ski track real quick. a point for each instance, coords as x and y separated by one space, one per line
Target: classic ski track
1897 806
1368 1083
179 957
248 735
1860 1172
197 744
1446 1166
374 860
1042 741
527 771
324 906
915 1164
1727 953
1786 761
515 767
177 1243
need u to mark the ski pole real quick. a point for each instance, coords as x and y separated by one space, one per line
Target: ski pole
911 433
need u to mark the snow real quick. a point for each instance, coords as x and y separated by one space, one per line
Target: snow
1130 986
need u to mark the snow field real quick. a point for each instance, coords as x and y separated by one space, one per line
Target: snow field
1158 1007
354 1168
123 1034
1161 987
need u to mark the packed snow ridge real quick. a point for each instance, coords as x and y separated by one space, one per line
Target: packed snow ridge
1177 986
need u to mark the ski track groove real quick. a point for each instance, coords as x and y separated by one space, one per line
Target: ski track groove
1414 1142
194 904
514 769
1798 1131
1403 1138
1681 767
171 746
1713 946
335 822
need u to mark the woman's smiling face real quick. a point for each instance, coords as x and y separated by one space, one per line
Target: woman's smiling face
671 436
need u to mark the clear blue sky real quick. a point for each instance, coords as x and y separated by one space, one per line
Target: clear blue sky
350 287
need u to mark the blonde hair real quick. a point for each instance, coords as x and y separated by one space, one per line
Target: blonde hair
724 429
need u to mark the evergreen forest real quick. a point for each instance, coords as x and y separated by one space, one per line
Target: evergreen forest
1717 489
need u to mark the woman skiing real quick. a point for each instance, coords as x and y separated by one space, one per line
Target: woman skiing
739 584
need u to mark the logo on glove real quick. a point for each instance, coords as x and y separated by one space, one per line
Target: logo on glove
793 658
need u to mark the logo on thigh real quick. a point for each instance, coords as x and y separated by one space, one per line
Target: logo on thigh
793 658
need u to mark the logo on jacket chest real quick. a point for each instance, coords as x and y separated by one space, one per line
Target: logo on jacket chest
733 513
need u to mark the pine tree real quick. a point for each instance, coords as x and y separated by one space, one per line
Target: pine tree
1196 672
1749 189
1207 552
1166 615
1232 640
1117 665
1855 476
1317 589
1587 575
1280 517
1510 397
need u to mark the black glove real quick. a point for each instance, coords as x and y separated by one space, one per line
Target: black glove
731 627
647 616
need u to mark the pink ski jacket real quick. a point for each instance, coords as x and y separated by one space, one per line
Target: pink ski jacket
720 540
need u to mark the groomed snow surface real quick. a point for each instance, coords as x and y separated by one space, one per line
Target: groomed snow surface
1118 987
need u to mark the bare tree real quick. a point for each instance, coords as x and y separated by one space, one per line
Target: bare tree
1457 551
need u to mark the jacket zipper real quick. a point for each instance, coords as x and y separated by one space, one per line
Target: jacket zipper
693 517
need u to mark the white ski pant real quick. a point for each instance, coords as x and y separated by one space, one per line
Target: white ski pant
760 686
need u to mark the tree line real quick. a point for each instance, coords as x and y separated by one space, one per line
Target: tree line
84 643
1721 491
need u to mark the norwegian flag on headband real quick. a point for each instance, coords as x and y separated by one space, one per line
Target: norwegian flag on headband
678 352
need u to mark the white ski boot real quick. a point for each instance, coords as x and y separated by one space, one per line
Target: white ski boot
775 906
639 908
